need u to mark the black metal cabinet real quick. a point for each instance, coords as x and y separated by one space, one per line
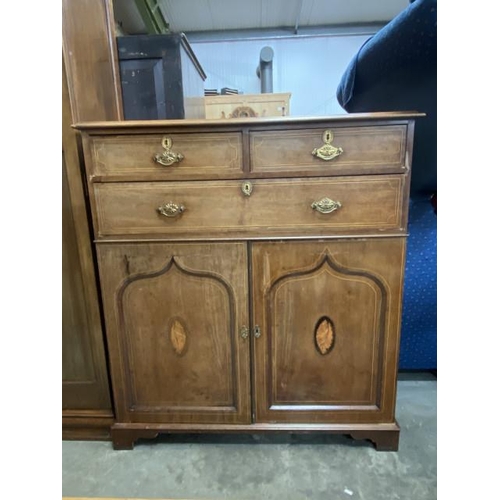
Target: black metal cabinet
161 78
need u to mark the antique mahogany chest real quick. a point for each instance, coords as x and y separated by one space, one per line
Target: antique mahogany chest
251 272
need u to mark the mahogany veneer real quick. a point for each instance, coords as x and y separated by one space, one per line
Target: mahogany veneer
255 284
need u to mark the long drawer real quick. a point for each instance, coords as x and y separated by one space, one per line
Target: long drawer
273 208
166 156
330 151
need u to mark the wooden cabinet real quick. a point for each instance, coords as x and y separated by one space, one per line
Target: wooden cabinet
86 402
161 78
247 105
90 91
252 288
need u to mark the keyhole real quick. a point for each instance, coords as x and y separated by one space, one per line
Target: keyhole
247 188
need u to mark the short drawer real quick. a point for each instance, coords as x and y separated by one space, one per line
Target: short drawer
168 156
330 151
274 208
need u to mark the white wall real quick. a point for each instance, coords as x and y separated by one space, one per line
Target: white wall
308 67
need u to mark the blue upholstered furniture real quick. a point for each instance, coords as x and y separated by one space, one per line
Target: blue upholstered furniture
396 69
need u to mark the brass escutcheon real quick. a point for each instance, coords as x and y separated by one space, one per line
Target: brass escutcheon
247 188
168 157
327 152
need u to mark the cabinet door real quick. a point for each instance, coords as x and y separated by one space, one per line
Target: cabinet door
86 399
85 389
329 316
173 316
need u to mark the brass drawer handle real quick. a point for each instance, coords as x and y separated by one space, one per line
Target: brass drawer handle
327 152
168 157
326 206
244 332
171 209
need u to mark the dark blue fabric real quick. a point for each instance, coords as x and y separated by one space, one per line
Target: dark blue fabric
419 323
396 70
407 44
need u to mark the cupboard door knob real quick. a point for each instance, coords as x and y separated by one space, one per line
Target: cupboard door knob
256 332
171 209
244 332
327 152
326 206
167 157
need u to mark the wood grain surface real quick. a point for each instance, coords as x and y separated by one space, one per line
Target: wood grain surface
357 285
235 298
173 316
370 204
85 378
89 50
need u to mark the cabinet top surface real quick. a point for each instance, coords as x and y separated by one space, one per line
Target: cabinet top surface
256 122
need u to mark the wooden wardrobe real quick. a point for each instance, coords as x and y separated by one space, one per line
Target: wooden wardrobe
89 92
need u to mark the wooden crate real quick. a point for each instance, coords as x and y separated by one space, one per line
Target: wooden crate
243 105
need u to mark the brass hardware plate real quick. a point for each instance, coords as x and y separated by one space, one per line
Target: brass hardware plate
244 332
171 209
168 157
247 188
257 332
326 205
327 152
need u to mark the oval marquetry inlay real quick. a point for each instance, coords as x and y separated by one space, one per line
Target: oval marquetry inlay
178 337
324 335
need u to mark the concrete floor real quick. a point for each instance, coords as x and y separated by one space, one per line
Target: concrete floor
267 467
